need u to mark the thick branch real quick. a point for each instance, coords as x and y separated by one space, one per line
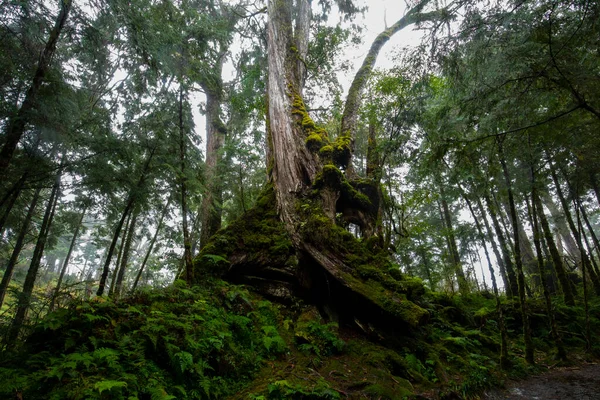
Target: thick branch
353 101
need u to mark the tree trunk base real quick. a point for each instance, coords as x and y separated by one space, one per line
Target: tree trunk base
349 280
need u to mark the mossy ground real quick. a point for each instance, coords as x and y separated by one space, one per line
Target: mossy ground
222 341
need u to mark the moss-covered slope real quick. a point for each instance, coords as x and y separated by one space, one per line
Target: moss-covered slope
219 341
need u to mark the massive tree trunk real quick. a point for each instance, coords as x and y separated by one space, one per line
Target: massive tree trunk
16 125
289 244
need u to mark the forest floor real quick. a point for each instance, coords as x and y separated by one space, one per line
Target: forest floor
578 383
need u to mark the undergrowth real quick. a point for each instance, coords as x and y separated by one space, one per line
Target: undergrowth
221 341
179 343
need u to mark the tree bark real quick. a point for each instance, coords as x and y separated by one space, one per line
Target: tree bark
216 131
294 166
16 125
14 257
517 248
25 296
66 261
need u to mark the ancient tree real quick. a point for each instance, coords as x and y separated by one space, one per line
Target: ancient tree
293 242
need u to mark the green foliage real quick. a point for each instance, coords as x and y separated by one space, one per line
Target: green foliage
197 343
318 339
108 385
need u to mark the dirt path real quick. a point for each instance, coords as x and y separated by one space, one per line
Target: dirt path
577 383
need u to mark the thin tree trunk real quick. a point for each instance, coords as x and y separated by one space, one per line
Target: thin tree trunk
490 238
512 289
187 244
594 183
561 274
463 286
128 208
151 245
585 261
589 249
588 335
66 261
527 256
517 248
563 230
115 272
590 230
14 257
125 256
16 125
425 260
504 358
10 198
32 272
541 270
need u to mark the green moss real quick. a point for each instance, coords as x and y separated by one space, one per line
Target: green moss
342 150
316 137
377 391
258 234
326 154
314 142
